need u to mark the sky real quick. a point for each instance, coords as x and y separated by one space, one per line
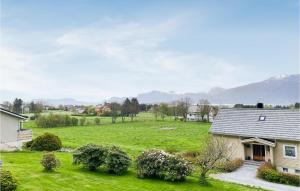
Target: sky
92 50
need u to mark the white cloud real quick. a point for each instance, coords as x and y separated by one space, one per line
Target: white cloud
119 59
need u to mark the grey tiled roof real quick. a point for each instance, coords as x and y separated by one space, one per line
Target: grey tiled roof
278 124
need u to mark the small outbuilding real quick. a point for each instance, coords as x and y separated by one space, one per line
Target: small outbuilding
12 135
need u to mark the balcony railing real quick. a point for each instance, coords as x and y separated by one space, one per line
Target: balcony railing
25 135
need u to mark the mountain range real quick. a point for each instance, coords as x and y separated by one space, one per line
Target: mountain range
281 90
275 90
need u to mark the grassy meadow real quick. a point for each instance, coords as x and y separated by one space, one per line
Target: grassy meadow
141 134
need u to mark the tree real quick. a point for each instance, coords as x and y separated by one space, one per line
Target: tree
144 107
297 105
173 110
7 105
155 110
35 107
134 108
183 107
215 149
214 110
115 111
125 109
204 108
164 110
17 105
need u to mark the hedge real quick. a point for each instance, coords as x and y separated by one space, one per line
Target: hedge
55 120
267 172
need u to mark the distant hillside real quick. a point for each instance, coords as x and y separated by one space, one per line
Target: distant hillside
275 90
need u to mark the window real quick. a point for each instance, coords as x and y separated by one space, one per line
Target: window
297 171
262 118
285 170
289 151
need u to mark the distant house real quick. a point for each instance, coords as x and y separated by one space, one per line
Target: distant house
102 109
193 114
12 135
262 135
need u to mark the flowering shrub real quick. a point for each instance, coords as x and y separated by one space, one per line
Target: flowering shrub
267 172
49 161
156 163
90 156
117 161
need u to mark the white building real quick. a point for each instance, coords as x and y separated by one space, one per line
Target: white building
12 135
193 114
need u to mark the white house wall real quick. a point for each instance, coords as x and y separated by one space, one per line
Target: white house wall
9 127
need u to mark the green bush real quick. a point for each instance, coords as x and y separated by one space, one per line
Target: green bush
267 172
230 165
50 162
55 120
159 164
117 161
90 156
27 144
7 181
46 142
97 121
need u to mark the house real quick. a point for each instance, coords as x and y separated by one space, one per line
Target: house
262 135
194 114
12 135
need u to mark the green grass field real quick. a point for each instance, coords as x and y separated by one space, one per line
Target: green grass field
134 137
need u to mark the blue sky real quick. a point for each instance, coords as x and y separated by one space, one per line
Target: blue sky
92 50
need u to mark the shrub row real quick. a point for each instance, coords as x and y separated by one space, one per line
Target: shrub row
45 142
159 164
267 172
7 181
93 156
55 120
230 165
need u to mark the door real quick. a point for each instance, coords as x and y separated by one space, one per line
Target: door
259 152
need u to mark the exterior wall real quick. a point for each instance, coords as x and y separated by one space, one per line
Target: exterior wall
281 161
269 154
237 146
193 117
9 126
248 151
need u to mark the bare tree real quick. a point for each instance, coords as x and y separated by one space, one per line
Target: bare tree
203 108
183 107
215 149
155 110
214 111
173 110
7 105
164 110
115 111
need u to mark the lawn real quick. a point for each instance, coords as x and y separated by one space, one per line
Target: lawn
134 137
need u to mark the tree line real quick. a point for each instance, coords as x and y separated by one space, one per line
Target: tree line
129 108
180 109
